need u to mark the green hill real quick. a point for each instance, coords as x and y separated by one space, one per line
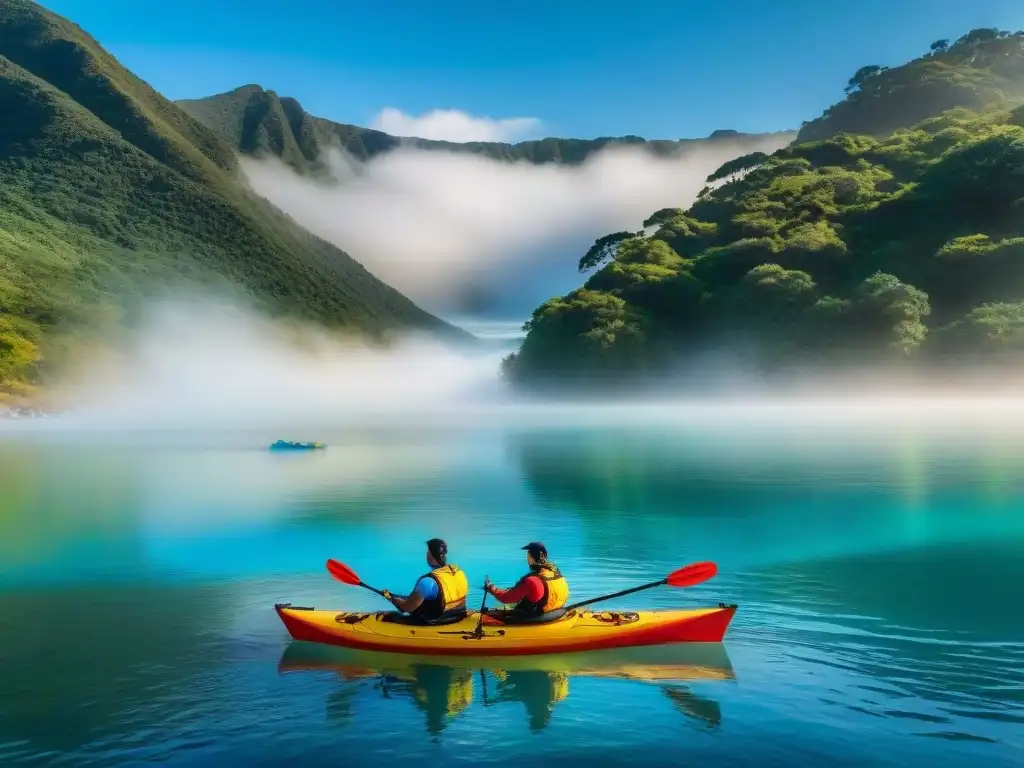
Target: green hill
259 122
892 249
108 191
979 70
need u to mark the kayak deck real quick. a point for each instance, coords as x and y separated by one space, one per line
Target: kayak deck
577 631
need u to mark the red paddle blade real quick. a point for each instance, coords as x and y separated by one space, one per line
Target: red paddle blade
342 572
691 574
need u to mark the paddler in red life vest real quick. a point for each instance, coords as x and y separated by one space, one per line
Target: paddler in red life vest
542 590
440 592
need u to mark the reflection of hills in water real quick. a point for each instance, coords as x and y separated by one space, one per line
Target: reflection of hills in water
443 688
759 500
54 510
629 469
113 509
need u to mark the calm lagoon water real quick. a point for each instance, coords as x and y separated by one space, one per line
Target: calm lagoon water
879 579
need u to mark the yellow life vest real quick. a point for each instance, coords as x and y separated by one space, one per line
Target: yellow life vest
452 588
556 591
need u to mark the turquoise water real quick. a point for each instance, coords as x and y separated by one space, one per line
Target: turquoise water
878 576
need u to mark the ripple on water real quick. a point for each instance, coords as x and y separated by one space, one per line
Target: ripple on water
958 681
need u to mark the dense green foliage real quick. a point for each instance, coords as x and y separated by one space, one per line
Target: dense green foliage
109 191
259 122
980 69
899 248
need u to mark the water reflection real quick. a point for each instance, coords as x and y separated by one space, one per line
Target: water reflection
763 501
698 708
538 690
178 485
63 512
633 470
443 689
79 665
926 636
110 510
440 693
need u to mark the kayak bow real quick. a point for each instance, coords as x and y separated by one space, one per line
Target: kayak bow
576 631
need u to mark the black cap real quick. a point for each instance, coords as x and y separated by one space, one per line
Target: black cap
438 549
537 550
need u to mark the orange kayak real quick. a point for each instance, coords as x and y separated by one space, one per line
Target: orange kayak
576 631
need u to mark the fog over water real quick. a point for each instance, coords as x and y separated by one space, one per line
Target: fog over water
211 365
441 227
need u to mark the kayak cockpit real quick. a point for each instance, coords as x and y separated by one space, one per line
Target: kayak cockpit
501 617
396 617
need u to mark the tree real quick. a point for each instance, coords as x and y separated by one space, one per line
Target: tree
642 250
939 46
981 177
686 236
582 336
744 163
992 330
890 312
637 260
862 75
981 35
602 249
771 286
769 298
662 215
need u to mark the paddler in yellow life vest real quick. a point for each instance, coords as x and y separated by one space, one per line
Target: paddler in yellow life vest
438 593
542 590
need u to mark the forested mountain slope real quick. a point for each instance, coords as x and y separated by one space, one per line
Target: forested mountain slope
108 191
895 248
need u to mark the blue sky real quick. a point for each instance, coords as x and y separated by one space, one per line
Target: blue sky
660 69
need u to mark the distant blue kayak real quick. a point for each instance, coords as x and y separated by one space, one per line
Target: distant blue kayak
288 445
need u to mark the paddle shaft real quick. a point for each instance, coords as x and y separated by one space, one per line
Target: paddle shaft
480 622
593 600
372 589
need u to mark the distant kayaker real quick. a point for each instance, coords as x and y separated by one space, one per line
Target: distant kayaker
540 591
437 593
